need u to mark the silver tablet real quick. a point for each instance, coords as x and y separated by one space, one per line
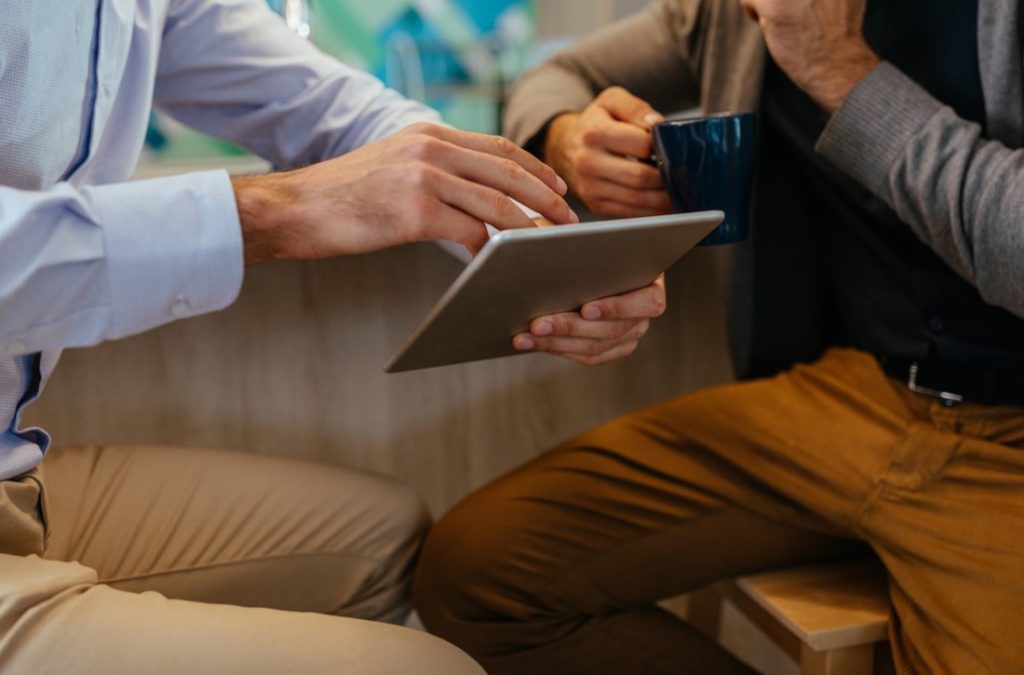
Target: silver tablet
523 274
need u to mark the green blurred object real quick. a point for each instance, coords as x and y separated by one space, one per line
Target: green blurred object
483 43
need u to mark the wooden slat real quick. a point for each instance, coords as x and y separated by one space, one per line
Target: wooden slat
827 607
294 369
848 661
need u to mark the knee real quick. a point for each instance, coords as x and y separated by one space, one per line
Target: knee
406 520
477 583
431 655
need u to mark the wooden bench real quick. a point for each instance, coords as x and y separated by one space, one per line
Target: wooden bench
830 619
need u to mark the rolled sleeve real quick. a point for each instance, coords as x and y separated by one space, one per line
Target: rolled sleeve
174 249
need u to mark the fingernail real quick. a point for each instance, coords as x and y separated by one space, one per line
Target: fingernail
591 313
524 344
653 118
563 187
544 328
573 217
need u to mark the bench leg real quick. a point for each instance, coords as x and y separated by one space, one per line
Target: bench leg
849 661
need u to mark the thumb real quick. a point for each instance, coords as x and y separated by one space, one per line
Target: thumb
625 107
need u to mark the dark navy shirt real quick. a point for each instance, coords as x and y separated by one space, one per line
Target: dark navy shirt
836 266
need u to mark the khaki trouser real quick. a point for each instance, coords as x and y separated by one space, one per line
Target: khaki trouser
555 568
176 549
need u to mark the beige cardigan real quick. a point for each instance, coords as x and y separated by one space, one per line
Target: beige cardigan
677 55
961 193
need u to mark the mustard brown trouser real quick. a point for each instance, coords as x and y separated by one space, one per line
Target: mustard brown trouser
166 560
555 568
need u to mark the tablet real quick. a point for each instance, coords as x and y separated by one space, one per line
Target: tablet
523 274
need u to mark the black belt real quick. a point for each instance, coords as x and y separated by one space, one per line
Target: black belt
954 384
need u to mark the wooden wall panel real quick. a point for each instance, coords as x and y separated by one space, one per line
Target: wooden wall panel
294 369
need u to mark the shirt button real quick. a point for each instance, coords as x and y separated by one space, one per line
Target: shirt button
936 325
180 308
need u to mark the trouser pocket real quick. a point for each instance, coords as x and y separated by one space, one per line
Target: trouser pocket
23 529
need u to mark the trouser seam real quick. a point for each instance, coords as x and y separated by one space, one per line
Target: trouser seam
242 561
881 483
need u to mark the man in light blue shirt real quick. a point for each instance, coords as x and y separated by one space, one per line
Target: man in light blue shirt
86 256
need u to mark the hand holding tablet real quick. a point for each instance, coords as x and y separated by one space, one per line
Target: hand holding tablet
524 274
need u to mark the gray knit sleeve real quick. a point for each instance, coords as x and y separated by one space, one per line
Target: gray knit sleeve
962 195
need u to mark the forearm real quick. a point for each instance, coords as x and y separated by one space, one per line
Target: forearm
648 54
962 195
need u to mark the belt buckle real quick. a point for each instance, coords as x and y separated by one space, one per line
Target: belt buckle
949 399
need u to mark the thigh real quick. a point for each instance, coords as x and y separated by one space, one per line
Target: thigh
948 523
54 618
235 528
713 485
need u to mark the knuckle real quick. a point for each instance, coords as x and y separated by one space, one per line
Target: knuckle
420 175
424 147
511 171
556 204
504 207
559 326
637 176
659 305
638 199
585 164
591 137
504 146
615 92
422 128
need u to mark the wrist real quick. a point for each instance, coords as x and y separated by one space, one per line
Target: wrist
852 65
558 147
558 132
262 203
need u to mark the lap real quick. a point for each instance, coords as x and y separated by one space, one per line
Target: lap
233 528
816 463
649 506
57 619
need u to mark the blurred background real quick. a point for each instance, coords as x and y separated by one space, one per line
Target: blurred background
293 368
459 56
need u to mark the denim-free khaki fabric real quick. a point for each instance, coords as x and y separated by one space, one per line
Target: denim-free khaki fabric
191 561
556 568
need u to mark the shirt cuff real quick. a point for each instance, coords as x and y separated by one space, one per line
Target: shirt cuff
868 134
173 248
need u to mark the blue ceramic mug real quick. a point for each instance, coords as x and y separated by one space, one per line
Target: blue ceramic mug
707 164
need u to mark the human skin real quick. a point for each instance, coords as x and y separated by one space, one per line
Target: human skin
818 43
430 182
601 150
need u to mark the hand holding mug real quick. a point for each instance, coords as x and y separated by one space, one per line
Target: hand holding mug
603 152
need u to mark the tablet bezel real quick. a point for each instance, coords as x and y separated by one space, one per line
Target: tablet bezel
697 226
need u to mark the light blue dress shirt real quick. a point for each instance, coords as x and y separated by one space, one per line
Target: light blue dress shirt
86 256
